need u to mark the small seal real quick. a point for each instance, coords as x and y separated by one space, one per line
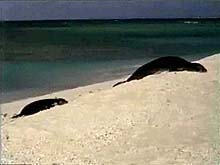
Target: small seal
168 63
40 105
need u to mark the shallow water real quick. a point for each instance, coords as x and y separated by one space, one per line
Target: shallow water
49 56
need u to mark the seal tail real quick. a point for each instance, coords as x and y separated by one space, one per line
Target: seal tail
121 82
16 116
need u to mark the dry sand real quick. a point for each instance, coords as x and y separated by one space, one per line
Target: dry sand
169 118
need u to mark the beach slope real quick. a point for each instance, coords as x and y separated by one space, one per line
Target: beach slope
168 118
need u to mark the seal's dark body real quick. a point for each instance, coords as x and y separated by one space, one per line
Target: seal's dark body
168 63
40 105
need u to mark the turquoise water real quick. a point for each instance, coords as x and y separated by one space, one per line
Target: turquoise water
41 57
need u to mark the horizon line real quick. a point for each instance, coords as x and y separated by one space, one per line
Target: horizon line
115 19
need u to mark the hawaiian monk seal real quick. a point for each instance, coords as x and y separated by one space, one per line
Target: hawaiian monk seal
40 105
168 63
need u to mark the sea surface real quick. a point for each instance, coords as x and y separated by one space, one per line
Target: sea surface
46 56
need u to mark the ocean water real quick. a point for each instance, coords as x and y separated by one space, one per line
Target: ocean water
43 57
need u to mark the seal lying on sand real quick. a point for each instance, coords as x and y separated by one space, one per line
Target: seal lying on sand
40 105
169 63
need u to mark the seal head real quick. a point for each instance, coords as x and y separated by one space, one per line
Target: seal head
197 67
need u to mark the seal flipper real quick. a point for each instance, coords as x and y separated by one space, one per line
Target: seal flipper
16 116
121 82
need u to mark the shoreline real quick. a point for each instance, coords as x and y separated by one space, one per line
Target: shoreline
69 94
8 97
29 93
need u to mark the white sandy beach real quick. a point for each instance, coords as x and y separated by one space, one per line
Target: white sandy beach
168 118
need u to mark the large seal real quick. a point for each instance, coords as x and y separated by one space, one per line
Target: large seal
168 63
40 105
